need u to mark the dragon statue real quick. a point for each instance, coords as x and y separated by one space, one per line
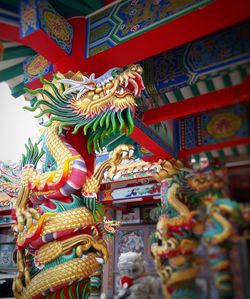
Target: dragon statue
195 210
60 224
135 281
177 234
223 217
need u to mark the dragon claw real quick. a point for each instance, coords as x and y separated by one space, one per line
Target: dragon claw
121 153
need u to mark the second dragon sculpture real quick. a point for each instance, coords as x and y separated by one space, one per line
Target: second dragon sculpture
177 234
195 211
60 223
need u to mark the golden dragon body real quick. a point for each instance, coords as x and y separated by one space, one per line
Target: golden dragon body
59 222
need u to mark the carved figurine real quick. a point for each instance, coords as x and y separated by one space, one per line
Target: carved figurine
135 282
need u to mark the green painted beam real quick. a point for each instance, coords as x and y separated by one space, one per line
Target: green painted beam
178 95
243 73
18 90
79 8
122 140
197 158
195 90
209 156
165 99
11 2
63 10
112 137
69 8
227 80
11 5
248 149
210 85
11 72
222 155
15 52
235 151
94 4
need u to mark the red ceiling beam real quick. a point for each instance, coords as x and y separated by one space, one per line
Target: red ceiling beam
38 41
75 61
151 159
142 136
45 46
145 141
211 147
213 100
201 22
9 33
108 2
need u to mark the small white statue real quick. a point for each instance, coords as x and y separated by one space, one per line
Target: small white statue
135 282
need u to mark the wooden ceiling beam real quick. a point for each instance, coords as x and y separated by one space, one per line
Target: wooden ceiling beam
213 100
9 33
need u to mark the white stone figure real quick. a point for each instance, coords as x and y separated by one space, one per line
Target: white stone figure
135 282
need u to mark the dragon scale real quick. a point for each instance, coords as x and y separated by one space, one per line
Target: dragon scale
59 276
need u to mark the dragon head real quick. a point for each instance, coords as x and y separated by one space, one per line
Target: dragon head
98 105
113 90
